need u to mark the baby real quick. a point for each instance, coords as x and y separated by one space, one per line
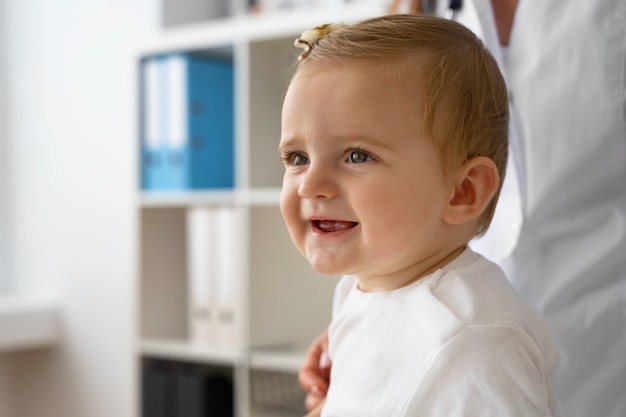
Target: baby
394 141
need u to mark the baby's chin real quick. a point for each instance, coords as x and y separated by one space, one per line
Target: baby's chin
326 270
325 265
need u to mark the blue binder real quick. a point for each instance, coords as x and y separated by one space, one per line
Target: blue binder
194 101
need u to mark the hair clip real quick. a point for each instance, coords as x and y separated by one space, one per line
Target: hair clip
309 38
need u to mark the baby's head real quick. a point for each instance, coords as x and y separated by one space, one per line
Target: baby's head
460 95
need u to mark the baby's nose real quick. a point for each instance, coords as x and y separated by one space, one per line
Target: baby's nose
318 182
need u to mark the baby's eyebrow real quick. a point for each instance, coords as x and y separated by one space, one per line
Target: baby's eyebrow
296 142
289 142
367 139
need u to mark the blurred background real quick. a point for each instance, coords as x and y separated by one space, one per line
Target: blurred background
68 195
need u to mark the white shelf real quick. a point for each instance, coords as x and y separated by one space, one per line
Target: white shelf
256 197
185 198
182 350
28 323
277 359
285 360
242 29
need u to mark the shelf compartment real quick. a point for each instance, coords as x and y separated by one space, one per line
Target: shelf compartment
290 303
163 274
276 393
272 63
184 388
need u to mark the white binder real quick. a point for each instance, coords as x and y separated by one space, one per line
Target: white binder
201 269
214 275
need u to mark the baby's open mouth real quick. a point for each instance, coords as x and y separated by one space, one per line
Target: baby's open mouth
333 225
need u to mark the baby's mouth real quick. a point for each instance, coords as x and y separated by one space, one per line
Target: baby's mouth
329 226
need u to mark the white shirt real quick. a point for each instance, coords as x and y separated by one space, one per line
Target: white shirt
459 342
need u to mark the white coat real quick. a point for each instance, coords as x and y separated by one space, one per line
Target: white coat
560 230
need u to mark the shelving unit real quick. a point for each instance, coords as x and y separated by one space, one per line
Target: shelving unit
283 303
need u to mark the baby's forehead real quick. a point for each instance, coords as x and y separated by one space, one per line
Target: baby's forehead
406 67
388 86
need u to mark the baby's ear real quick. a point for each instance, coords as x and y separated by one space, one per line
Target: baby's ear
475 184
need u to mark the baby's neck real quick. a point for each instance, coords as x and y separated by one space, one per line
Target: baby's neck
410 274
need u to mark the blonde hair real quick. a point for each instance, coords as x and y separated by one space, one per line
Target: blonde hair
465 97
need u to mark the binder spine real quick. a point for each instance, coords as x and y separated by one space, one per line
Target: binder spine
176 121
153 146
202 269
211 119
228 320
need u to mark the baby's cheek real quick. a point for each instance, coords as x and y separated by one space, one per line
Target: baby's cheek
289 208
287 202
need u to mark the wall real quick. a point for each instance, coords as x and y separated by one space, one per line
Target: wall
69 191
6 399
4 283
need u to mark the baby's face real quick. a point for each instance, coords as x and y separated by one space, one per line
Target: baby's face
363 190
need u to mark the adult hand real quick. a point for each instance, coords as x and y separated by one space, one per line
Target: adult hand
314 375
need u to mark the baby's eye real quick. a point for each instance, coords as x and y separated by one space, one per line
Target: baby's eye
295 158
299 159
358 156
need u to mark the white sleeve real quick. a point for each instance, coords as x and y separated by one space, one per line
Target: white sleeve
486 370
